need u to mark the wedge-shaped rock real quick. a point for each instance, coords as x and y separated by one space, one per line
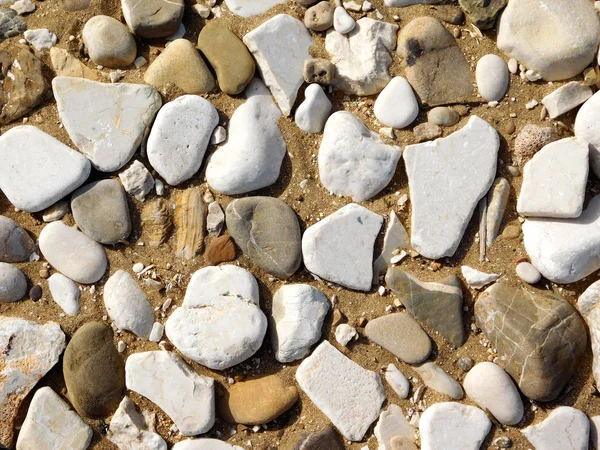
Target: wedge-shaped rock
395 238
565 428
587 127
130 430
105 121
539 336
566 98
249 8
353 161
447 178
589 307
345 392
166 380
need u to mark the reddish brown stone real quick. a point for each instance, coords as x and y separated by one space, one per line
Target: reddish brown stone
220 250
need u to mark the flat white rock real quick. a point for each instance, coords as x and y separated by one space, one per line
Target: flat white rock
137 180
395 237
492 77
298 312
218 300
343 22
179 137
587 127
117 115
362 57
397 106
166 380
249 8
447 178
72 253
477 279
565 428
397 381
51 424
452 425
594 427
350 396
392 423
205 444
565 250
437 379
41 39
38 170
130 430
65 293
13 284
313 112
127 305
339 248
566 98
280 47
589 307
251 159
344 333
554 180
354 161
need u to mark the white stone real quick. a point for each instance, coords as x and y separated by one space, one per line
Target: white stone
587 127
397 381
202 10
158 329
127 305
395 237
298 313
117 115
363 56
215 219
281 64
402 3
72 253
218 300
565 428
50 424
594 425
313 112
350 396
37 170
65 293
353 6
344 333
492 388
528 273
354 161
137 181
40 39
343 22
492 77
205 443
392 423
339 248
249 8
566 98
452 425
180 136
437 379
140 61
513 65
554 180
565 250
23 6
219 136
589 307
397 106
254 142
56 212
185 396
477 279
130 430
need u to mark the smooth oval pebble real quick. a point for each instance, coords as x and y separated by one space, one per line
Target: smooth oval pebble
65 293
342 21
319 17
313 112
528 273
13 284
443 116
35 293
437 379
397 105
109 42
492 77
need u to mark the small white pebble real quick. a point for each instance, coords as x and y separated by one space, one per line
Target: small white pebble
218 136
513 65
140 61
121 346
115 76
157 332
532 104
397 258
381 291
159 186
137 267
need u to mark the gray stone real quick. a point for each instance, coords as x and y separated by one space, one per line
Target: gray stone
586 127
109 42
443 116
15 243
153 18
492 77
497 199
11 24
325 439
482 13
13 284
395 238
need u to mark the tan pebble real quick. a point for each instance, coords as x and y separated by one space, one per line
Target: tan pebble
44 273
338 317
190 216
511 232
157 222
456 33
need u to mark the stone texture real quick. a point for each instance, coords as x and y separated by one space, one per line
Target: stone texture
130 430
319 17
477 279
530 140
325 439
108 42
397 380
392 423
153 18
189 221
13 284
588 307
566 98
11 24
437 379
15 243
443 116
395 238
586 127
343 22
565 428
220 250
66 65
318 70
137 180
40 39
482 13
396 106
157 222
492 77
65 293
497 200
250 8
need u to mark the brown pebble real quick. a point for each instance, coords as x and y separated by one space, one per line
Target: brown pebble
338 317
510 127
435 266
44 273
361 322
35 293
511 232
220 250
456 33
450 14
239 378
427 131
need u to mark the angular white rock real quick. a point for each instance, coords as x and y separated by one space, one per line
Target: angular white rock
447 178
397 381
565 428
313 112
395 237
158 330
397 106
249 8
566 98
281 64
492 77
437 379
106 121
51 424
452 425
127 304
251 159
130 430
587 127
205 443
477 279
179 137
186 397
392 423
343 22
354 161
554 180
215 219
339 248
65 293
37 170
363 56
589 307
350 396
137 181
40 39
22 6
344 333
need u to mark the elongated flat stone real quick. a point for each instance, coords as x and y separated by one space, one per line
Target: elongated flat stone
497 201
437 379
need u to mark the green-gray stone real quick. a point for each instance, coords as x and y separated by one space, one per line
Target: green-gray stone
482 13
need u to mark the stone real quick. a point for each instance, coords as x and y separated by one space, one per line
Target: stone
130 430
220 250
466 363
254 141
317 70
343 22
443 116
189 220
119 115
450 14
395 238
157 222
13 284
594 424
539 336
67 65
319 17
267 230
586 127
437 379
362 58
249 8
313 112
153 18
15 243
497 199
397 381
566 98
403 3
528 273
396 106
181 64
354 161
565 250
11 24
447 178
452 425
392 423
434 65
136 180
344 333
65 293
326 251
94 371
75 5
27 352
492 76
438 305
35 293
217 299
40 39
205 443
127 304
108 42
477 279
228 56
73 253
482 14
56 212
325 439
280 65
532 139
180 136
166 380
215 219
588 307
564 428
350 396
493 390
427 132
51 424
538 36
401 443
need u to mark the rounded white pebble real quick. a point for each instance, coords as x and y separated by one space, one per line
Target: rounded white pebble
344 334
492 77
121 346
342 21
528 273
137 267
397 381
397 105
513 65
312 114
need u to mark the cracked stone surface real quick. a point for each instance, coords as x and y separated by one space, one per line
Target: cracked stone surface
565 428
